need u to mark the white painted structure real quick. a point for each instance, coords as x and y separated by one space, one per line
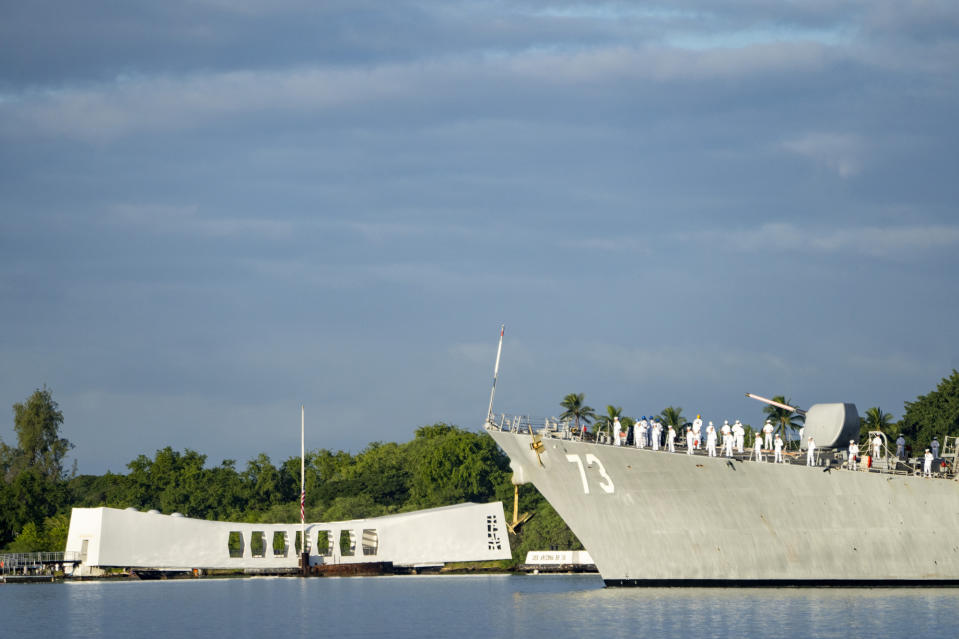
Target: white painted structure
559 558
108 537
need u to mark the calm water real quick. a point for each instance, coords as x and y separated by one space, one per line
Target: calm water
558 607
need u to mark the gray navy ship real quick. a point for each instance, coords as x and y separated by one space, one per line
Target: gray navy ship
655 518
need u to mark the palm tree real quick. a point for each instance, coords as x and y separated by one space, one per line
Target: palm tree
576 409
875 419
785 421
605 422
673 416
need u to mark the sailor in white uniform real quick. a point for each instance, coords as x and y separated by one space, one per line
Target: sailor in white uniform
711 440
727 439
853 454
758 447
690 441
768 435
927 464
876 446
697 431
778 450
671 439
617 430
639 433
811 453
657 432
739 433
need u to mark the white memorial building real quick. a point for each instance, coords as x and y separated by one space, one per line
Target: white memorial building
113 538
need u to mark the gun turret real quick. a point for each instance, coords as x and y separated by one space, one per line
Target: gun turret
830 425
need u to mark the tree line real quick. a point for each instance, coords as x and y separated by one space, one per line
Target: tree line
442 465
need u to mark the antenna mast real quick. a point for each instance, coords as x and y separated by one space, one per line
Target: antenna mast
499 349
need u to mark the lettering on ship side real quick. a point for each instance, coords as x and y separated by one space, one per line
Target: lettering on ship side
591 460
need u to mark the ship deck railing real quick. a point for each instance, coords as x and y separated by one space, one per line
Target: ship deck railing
888 464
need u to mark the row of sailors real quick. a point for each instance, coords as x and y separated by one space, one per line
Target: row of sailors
648 433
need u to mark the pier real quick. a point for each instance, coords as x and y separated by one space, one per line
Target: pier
35 566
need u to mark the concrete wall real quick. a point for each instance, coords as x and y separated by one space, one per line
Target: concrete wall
131 539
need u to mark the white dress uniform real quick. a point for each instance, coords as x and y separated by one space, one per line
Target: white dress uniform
778 450
768 435
690 441
758 447
671 439
853 454
617 430
639 434
811 453
739 433
711 440
927 464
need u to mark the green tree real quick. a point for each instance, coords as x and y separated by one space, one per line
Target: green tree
936 413
785 421
37 423
876 419
605 422
673 416
577 410
28 498
450 465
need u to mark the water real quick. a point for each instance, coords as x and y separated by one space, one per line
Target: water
465 607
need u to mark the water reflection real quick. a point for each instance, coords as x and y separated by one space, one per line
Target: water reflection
557 607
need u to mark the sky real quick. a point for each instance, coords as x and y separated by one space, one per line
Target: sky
213 212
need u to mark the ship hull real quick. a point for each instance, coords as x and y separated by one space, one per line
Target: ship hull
652 518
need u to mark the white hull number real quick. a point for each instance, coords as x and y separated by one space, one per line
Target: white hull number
606 484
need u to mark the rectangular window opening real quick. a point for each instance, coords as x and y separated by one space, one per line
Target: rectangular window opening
281 544
347 543
324 543
371 541
235 544
258 543
298 541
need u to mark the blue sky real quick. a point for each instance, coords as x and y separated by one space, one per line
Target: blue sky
212 212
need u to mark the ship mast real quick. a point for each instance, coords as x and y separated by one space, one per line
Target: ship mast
499 349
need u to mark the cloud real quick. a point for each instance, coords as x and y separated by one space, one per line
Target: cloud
895 242
840 152
186 220
680 364
458 86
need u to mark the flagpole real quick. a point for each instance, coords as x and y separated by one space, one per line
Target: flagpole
303 547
